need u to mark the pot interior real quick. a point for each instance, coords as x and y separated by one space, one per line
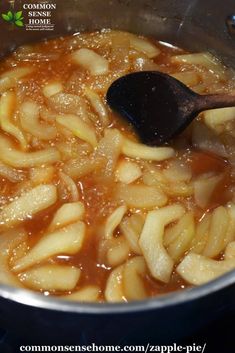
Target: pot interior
195 25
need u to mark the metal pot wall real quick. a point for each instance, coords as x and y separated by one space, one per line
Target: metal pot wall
194 25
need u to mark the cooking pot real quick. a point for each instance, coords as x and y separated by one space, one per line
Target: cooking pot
194 25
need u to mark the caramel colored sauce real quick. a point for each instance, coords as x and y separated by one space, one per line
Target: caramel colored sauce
97 195
202 163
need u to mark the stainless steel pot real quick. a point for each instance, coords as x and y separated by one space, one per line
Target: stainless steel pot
195 25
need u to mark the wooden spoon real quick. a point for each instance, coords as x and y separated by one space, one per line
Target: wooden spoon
159 106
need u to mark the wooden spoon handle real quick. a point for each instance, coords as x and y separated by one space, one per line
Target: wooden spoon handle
214 101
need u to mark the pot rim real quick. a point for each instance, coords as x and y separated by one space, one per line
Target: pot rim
36 300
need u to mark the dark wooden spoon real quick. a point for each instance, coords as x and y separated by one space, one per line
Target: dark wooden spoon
159 106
